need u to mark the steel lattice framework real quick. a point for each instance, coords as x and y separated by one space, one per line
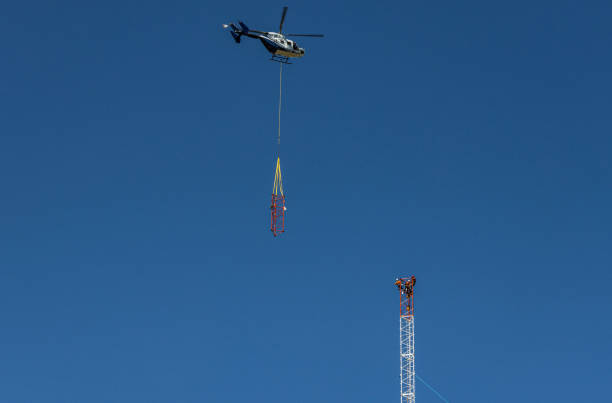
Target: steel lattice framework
406 290
277 207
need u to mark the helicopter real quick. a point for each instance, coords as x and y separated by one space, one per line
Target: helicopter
276 43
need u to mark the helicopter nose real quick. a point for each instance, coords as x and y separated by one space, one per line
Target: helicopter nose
302 51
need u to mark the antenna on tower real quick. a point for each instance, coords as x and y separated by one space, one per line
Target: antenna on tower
407 374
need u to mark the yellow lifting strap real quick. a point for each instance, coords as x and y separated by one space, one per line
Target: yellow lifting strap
278 180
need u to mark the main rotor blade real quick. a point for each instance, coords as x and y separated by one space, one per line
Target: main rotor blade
258 32
313 35
280 30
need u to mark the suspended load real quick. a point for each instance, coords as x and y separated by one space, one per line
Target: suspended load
282 49
277 208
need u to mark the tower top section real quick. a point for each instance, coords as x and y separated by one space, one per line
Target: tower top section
405 286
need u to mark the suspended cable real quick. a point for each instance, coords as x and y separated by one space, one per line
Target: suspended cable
431 388
280 101
277 206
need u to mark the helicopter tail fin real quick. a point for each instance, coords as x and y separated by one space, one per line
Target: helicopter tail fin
245 29
235 32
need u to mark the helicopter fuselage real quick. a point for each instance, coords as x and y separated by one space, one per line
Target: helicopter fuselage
277 44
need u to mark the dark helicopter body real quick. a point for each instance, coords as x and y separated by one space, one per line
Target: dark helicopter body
276 43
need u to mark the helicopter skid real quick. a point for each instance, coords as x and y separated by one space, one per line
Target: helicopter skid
280 59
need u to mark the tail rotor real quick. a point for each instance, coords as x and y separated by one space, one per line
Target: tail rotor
235 31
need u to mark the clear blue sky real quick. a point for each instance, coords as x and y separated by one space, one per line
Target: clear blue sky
467 143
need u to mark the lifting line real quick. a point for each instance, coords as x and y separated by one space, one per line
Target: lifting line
277 207
280 101
278 183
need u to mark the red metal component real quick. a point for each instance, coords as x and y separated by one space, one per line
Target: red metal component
277 209
406 289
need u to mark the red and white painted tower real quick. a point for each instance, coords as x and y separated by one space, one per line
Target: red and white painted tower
406 290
